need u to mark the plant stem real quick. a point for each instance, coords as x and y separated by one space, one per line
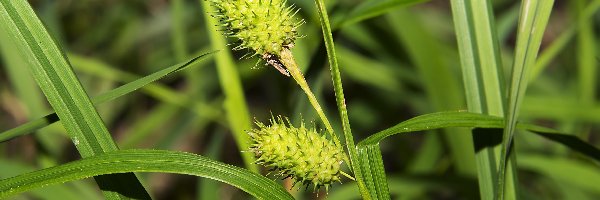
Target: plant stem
288 60
339 97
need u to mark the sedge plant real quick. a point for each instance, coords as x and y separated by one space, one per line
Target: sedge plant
269 30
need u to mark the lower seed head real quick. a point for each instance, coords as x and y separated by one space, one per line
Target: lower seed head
301 153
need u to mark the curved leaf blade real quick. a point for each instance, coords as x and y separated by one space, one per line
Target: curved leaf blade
475 120
138 160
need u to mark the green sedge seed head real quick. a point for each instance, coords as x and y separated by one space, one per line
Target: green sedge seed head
300 153
264 26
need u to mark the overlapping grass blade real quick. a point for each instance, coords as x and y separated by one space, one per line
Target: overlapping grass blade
125 161
63 90
113 94
533 20
340 100
483 80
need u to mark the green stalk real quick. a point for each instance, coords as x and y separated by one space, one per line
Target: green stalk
339 94
290 63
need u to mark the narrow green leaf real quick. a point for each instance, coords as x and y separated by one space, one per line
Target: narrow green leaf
369 152
339 97
54 192
125 161
533 20
63 90
483 78
108 96
474 120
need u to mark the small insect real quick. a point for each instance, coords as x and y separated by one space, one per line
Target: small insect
275 62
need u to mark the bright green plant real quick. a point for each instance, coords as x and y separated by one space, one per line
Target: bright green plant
496 113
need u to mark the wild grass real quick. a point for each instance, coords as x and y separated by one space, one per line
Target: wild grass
430 99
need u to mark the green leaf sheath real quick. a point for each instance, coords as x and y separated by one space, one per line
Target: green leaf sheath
532 25
146 161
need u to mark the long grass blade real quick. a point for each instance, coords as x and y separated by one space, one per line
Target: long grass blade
54 192
533 20
339 96
475 120
483 79
125 161
63 90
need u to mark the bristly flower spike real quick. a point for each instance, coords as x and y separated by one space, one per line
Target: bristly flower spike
267 27
298 152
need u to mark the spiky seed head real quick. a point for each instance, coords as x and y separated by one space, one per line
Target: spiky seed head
264 26
301 153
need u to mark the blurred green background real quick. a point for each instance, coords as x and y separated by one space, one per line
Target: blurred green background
387 62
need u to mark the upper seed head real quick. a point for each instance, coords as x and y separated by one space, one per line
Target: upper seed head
264 26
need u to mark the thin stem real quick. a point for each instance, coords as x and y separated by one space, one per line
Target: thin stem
339 97
288 60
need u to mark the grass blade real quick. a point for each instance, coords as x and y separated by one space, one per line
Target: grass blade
476 120
54 192
113 94
533 20
339 96
146 161
483 79
63 90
